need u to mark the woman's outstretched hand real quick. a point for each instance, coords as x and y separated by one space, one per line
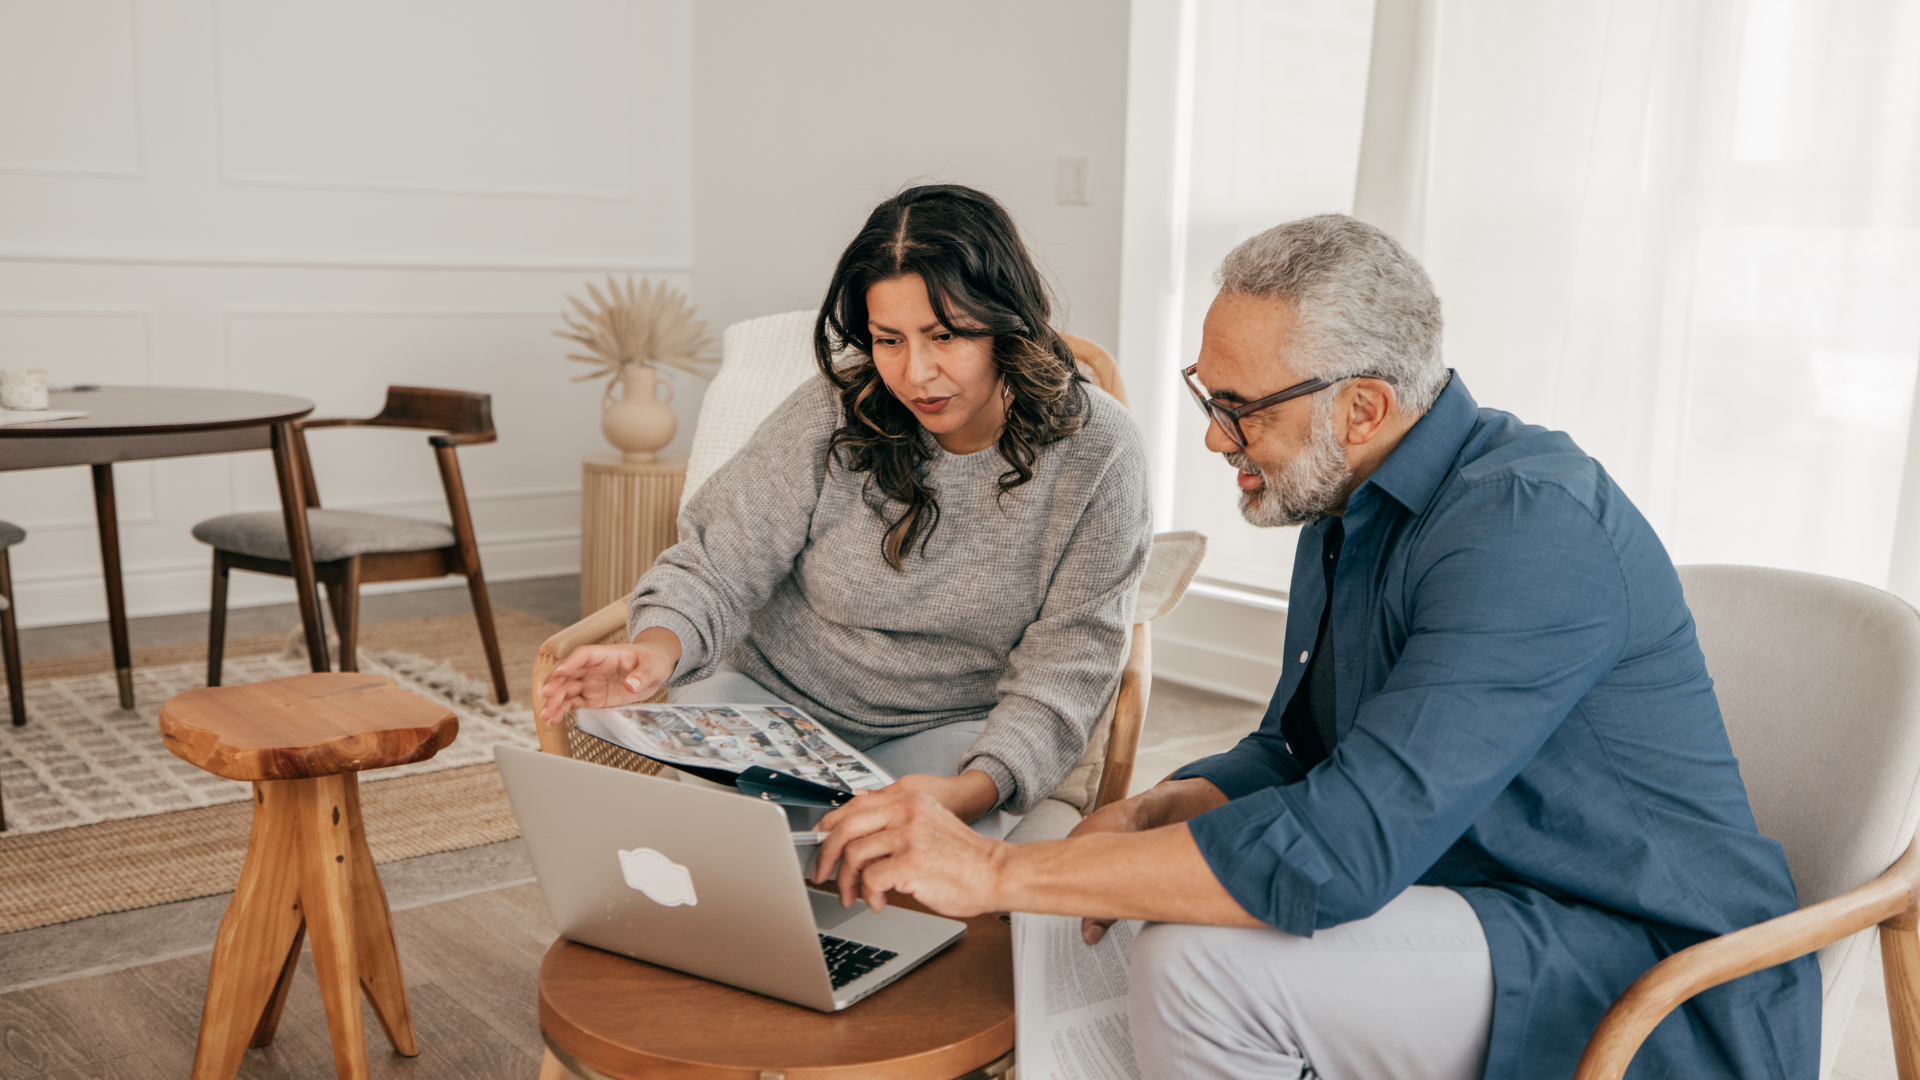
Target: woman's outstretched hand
603 676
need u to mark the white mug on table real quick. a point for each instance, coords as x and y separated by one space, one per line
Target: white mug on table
24 390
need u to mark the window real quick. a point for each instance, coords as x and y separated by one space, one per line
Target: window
1278 99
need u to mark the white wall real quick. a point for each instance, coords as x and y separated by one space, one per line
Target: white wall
806 115
323 200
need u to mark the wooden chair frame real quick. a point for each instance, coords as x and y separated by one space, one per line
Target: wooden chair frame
1890 901
464 419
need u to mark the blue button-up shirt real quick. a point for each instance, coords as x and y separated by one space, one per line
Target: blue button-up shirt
1524 716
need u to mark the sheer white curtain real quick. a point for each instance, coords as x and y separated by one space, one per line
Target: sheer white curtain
1690 235
1746 330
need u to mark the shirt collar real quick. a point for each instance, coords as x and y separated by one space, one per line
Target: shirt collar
1415 469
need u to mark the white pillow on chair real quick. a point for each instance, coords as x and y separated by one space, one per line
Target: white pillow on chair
762 361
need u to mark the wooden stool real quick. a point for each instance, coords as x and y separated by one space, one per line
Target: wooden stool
303 741
605 1016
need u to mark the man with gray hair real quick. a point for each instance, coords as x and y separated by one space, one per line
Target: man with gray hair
1493 786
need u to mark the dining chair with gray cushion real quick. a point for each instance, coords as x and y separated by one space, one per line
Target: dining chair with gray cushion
1819 681
352 547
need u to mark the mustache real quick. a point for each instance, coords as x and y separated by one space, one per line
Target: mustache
1245 464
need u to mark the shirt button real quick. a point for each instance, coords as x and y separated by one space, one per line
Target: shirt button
1303 657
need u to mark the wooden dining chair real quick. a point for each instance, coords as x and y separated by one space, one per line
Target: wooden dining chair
351 547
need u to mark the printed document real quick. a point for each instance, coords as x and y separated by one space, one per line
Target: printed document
733 738
1070 1000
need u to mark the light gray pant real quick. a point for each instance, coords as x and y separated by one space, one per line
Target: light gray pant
935 751
1407 993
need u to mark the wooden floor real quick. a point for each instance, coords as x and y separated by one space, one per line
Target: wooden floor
469 965
470 962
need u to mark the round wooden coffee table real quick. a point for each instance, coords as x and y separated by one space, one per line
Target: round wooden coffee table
604 1015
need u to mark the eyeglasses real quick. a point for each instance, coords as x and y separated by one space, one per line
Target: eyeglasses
1229 416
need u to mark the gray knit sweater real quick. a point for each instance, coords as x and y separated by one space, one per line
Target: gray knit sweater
1019 611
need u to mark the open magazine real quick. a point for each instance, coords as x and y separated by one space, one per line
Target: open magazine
719 742
1070 1000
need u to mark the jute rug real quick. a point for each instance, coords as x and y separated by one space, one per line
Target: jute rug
141 833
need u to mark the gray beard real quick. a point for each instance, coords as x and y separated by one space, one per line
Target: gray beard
1311 486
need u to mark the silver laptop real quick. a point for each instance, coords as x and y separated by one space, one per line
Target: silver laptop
703 881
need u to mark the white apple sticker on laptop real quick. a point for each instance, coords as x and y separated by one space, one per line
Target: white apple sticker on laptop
664 881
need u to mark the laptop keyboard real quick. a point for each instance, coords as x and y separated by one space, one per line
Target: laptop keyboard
848 960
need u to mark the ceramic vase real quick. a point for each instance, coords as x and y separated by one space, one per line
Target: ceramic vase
639 423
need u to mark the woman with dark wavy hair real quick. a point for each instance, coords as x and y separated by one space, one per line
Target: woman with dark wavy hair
933 548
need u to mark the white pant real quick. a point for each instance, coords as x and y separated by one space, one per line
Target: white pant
1407 993
935 751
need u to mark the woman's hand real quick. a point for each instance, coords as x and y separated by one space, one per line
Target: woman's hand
603 676
968 796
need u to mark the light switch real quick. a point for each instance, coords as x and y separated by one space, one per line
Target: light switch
1070 182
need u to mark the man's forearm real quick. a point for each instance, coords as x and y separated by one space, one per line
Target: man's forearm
1159 874
1170 802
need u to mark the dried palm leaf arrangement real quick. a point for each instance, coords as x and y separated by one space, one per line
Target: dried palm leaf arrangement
629 333
637 324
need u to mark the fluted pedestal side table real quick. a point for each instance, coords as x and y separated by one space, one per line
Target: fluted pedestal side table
627 511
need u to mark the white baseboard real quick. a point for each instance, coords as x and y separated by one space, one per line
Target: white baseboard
1224 642
181 588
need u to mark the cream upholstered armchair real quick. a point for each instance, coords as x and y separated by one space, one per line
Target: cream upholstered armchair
764 360
1819 680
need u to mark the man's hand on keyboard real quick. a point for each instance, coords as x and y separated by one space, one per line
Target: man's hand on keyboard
907 842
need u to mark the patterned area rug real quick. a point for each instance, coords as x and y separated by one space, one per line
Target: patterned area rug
82 759
101 820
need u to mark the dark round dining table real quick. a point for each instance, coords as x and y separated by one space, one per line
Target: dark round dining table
144 423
